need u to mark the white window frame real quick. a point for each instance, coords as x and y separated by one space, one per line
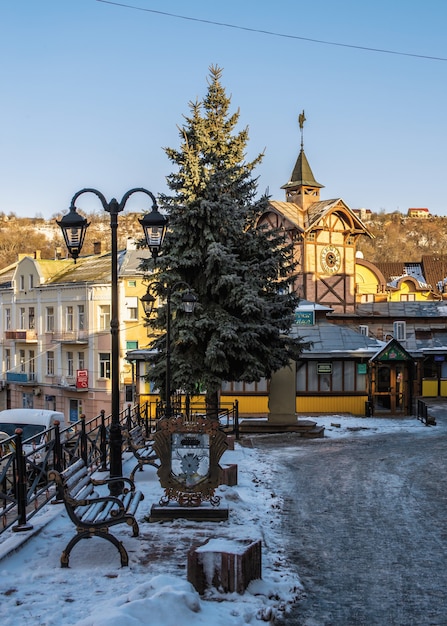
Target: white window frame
400 330
104 317
50 363
69 315
49 315
104 365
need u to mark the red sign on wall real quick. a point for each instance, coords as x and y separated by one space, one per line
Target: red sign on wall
82 379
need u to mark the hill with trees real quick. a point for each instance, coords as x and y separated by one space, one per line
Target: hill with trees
24 235
396 236
401 238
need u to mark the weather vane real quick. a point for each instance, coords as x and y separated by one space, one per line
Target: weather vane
301 120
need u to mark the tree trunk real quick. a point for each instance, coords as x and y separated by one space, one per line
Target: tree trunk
212 404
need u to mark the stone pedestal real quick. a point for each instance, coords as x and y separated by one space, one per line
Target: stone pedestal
226 564
282 397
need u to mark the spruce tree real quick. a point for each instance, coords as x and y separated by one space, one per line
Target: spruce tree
241 274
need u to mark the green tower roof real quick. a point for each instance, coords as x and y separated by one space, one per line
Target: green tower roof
302 174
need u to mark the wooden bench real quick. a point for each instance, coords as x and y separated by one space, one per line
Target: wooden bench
142 449
93 513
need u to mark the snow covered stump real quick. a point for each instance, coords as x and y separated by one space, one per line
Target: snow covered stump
226 564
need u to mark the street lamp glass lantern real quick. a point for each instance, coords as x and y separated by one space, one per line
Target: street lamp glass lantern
148 302
154 225
74 228
189 302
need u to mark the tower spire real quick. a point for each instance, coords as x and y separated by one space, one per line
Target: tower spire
302 187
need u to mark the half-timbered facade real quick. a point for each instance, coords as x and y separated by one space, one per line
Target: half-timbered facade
324 235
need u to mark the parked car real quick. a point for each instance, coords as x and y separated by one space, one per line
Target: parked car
35 424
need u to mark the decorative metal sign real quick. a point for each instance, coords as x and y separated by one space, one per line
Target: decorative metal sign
189 453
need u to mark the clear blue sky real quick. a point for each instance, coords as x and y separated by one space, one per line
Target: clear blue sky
92 92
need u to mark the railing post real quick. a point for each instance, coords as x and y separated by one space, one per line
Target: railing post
57 462
21 484
83 446
57 450
129 418
236 418
103 442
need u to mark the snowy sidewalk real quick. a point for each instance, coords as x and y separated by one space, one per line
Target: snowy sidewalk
96 591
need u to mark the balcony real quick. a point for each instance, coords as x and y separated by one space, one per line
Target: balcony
25 336
21 377
74 337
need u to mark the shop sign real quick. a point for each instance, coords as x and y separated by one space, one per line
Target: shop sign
304 318
81 379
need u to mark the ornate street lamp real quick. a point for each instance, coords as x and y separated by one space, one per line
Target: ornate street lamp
148 301
74 227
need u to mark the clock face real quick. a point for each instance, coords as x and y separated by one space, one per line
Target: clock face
330 259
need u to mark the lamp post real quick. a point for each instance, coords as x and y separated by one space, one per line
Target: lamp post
148 301
74 228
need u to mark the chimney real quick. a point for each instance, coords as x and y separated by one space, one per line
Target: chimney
37 254
97 247
58 253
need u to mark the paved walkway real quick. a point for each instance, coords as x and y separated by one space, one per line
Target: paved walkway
366 526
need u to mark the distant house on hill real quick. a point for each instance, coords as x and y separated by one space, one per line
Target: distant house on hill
418 213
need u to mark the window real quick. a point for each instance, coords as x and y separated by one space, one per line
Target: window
131 345
241 387
407 297
399 331
104 317
50 319
367 297
81 317
22 360
22 282
344 376
31 318
7 319
31 281
50 363
81 361
31 365
131 283
364 330
69 318
128 390
132 308
70 371
7 359
22 318
104 365
27 400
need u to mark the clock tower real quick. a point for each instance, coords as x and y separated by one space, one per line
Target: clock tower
324 235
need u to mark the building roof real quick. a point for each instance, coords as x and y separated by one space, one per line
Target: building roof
332 340
402 310
302 174
306 219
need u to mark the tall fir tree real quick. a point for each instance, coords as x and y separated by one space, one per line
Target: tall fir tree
241 274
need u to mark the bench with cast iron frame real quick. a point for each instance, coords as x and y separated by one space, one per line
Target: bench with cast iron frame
142 449
93 514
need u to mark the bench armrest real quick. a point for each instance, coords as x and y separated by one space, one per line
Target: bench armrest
108 481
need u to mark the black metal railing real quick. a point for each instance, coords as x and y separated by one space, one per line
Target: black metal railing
24 464
423 414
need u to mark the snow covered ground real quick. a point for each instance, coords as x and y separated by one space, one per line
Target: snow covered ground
96 591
